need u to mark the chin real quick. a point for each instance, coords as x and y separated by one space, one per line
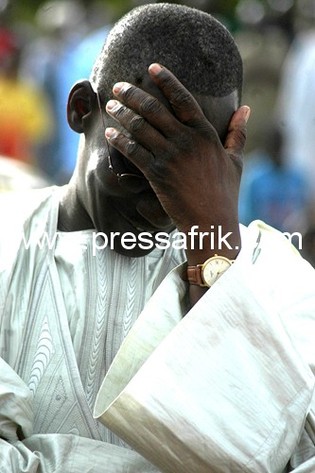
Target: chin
136 252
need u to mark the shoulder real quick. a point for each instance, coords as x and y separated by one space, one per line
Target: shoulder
22 213
24 202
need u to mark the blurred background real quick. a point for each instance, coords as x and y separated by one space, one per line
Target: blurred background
45 46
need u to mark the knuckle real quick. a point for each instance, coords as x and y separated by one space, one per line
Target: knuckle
120 111
136 124
181 97
149 105
132 147
240 138
186 142
127 93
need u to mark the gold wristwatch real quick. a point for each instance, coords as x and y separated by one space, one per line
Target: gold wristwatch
206 274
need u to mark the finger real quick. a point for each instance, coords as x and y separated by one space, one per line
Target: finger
236 136
185 106
132 150
146 106
136 125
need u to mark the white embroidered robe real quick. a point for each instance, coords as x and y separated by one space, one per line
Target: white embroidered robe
228 388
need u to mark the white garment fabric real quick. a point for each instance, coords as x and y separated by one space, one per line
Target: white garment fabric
63 315
229 385
104 293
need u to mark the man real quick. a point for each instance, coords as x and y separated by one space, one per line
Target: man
214 375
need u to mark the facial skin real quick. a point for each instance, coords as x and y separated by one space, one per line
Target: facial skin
95 198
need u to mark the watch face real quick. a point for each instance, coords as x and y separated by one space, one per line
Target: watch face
213 268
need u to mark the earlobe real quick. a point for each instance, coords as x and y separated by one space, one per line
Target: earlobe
81 101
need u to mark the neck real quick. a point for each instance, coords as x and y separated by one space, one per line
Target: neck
72 214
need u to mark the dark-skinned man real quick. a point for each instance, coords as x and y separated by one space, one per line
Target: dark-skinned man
138 272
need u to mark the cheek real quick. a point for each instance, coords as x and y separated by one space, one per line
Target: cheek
100 178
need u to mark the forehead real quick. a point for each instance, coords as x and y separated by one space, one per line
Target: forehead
218 110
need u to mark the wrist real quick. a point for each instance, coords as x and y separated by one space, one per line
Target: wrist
207 273
203 243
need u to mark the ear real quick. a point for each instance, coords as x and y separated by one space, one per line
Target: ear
81 101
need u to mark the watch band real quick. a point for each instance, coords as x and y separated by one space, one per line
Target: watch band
194 275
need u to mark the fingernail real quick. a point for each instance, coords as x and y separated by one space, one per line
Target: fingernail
111 104
155 68
246 113
111 133
118 87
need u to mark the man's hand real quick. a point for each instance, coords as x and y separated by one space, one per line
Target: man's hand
195 178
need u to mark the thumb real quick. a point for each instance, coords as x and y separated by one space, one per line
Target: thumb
236 135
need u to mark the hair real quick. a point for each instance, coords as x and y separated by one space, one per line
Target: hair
195 46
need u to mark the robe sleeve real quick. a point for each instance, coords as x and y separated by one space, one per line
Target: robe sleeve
228 387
